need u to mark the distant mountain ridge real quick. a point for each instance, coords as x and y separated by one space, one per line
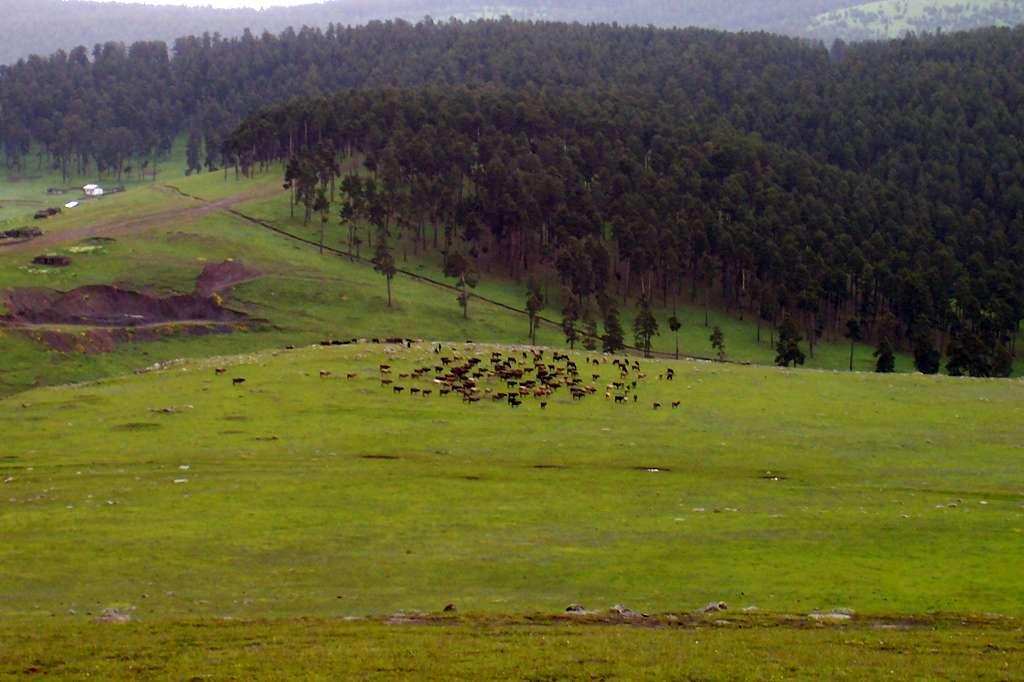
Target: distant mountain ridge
45 26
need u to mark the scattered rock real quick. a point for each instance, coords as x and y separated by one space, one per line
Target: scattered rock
52 261
114 616
623 611
830 617
715 607
575 608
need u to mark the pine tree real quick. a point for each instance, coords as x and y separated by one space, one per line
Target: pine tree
534 304
613 339
675 325
384 259
717 339
461 268
787 350
885 357
645 326
854 332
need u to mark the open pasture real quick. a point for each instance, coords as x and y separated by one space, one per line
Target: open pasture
304 491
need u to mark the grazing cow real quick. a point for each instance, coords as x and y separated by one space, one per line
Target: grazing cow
350 376
620 399
414 391
289 347
219 370
444 391
543 406
676 403
386 382
427 392
398 389
324 374
657 406
596 377
237 381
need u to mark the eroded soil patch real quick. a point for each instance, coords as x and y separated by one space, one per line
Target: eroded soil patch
107 306
112 316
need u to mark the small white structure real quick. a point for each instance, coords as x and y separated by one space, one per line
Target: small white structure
90 188
95 192
71 204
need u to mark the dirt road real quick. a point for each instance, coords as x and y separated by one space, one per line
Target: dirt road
142 222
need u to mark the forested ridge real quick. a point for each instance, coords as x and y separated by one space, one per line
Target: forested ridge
880 184
73 22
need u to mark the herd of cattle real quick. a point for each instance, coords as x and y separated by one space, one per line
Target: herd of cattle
517 377
512 378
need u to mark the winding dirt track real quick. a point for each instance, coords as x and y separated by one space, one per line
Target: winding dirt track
141 223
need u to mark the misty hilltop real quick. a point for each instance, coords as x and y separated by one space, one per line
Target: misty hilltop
74 22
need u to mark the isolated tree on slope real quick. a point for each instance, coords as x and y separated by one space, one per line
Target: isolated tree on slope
885 362
534 304
322 206
570 313
854 333
675 325
645 326
613 339
461 268
717 340
787 350
193 151
384 259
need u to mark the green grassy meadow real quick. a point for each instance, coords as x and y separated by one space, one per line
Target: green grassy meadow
240 529
295 496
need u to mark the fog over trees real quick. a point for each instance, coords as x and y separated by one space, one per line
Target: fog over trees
45 26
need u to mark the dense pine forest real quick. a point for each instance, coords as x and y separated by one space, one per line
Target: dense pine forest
76 22
871 190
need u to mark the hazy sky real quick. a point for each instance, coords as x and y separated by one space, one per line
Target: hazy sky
221 3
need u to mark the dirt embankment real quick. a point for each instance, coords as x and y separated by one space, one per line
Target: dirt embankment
101 316
107 306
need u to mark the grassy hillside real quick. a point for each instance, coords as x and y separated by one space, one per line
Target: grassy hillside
162 240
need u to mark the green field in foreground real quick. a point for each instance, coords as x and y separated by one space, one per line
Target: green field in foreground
523 649
177 494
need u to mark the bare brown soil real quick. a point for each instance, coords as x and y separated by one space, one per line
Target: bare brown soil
102 317
107 306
